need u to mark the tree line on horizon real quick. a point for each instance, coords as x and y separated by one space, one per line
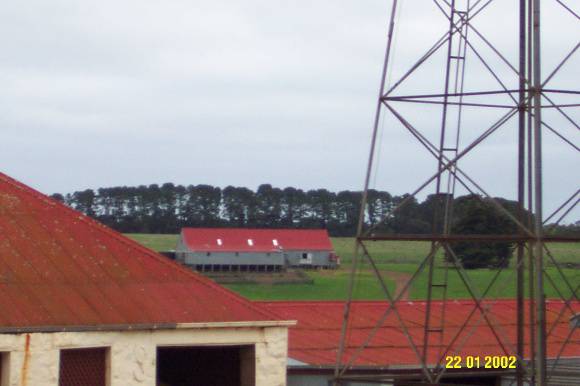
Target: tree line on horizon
168 207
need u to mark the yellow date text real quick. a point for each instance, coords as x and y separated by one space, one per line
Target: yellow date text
476 362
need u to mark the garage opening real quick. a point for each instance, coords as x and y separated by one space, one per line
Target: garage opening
87 367
206 366
4 366
463 381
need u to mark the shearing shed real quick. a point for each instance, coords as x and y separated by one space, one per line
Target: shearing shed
246 249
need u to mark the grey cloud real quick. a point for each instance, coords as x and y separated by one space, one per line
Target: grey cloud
100 93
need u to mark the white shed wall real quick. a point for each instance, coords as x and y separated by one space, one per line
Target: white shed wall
133 353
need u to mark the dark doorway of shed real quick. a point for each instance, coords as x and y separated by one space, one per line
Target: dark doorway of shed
206 366
460 381
4 366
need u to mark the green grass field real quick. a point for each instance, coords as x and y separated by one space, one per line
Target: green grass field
394 260
155 242
328 285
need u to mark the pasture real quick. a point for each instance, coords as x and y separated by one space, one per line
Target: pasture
397 261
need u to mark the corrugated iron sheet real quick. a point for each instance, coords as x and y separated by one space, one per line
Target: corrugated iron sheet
315 339
61 268
262 240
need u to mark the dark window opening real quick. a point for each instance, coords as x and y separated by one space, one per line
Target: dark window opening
208 254
87 367
237 253
304 256
208 366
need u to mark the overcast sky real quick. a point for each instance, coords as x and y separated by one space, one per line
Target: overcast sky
223 92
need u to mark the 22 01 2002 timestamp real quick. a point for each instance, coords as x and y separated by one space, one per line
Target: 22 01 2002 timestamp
475 362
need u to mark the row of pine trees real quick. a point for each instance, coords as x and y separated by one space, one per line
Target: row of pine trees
167 208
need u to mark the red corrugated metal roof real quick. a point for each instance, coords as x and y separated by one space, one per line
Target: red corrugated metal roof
255 240
314 340
61 268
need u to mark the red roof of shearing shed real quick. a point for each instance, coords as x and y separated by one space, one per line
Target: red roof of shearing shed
61 268
314 340
255 240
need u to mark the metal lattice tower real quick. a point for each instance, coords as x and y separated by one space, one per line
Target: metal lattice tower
522 102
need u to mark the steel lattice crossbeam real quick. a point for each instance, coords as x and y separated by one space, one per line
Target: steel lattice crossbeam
524 106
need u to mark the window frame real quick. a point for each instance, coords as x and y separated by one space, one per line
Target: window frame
107 353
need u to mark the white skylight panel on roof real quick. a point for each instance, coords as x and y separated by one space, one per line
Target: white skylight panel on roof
219 242
250 242
275 242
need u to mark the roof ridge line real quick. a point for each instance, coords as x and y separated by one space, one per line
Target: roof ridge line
461 301
134 244
264 229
